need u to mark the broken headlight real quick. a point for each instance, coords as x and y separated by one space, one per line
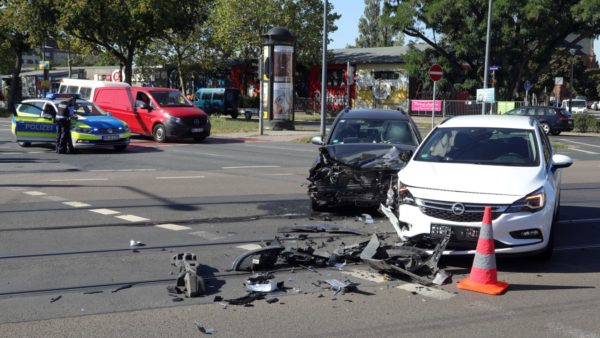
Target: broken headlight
404 195
532 202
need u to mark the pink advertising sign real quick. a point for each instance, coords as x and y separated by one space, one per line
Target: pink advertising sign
425 105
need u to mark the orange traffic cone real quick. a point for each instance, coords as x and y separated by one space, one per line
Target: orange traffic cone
483 277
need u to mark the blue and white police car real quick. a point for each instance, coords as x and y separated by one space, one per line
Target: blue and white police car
93 127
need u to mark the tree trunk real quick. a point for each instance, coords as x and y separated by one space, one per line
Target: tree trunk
69 59
14 94
180 74
129 65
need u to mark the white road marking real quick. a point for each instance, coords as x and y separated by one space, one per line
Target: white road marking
54 198
252 167
173 227
209 235
249 247
76 204
12 153
16 189
585 151
364 274
120 170
36 152
132 218
105 211
176 177
35 193
80 179
582 143
577 247
426 291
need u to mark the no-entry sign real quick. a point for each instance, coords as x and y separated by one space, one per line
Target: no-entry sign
436 73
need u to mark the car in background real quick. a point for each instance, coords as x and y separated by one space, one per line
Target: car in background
360 158
469 162
93 127
552 120
85 88
218 101
163 113
577 106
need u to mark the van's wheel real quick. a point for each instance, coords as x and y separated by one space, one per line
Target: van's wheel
248 116
199 138
234 116
159 133
24 144
120 147
556 132
546 128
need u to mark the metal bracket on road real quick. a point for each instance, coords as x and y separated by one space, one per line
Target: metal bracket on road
188 278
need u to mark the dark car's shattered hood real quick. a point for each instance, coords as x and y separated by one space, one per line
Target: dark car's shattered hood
358 174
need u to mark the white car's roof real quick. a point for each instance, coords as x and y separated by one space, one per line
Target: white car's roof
490 121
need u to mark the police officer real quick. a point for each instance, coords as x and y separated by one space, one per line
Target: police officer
66 110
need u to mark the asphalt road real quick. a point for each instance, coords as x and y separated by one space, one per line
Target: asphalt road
66 222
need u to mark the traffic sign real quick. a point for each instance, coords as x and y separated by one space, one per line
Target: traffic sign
527 85
436 72
116 75
494 68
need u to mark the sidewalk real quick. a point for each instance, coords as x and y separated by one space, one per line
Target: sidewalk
269 135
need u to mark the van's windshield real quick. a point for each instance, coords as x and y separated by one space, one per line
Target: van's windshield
170 99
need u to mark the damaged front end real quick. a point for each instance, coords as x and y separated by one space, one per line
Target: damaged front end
357 176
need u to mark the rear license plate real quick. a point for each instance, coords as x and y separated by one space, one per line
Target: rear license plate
110 137
458 233
197 130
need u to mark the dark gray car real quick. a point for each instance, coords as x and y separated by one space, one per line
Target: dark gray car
552 120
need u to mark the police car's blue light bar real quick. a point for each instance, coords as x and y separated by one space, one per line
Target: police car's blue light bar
54 96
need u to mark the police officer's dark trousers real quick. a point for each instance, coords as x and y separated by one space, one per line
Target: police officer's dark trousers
63 136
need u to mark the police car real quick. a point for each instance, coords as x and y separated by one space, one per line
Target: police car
34 122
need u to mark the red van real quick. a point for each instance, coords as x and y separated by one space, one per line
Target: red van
163 113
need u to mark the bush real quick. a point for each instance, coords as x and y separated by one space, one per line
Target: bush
4 112
585 122
249 102
597 127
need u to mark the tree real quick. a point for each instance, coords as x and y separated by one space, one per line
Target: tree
374 31
239 25
124 27
528 36
23 24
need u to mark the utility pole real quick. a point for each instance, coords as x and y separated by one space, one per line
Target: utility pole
487 51
324 72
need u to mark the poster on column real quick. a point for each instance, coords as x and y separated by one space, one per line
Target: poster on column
282 100
283 69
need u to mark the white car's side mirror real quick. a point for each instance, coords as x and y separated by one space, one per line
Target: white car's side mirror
561 161
317 140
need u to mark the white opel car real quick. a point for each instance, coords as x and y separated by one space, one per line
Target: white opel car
469 162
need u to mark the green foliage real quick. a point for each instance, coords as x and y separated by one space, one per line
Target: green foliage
249 102
374 31
585 122
527 38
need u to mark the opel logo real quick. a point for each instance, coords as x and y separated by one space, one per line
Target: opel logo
196 122
109 130
458 209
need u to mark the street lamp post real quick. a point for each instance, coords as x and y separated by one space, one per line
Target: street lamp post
572 52
487 51
324 71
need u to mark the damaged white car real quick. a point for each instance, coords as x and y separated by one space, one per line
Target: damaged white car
469 162
361 157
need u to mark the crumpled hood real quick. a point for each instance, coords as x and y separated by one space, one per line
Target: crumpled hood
101 121
369 155
472 178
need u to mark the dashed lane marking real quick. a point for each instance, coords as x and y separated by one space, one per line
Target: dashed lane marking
426 291
366 275
252 167
79 179
132 218
121 170
105 211
249 247
585 151
581 143
35 193
208 235
176 177
54 198
76 204
173 227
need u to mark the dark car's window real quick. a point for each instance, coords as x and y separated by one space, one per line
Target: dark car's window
517 111
170 99
492 146
373 131
550 112
206 96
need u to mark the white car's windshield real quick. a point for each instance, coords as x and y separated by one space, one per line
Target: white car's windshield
491 146
373 131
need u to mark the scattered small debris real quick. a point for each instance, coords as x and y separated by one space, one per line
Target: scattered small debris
122 288
134 243
343 287
348 300
340 266
52 300
247 299
188 278
205 330
92 292
218 299
272 300
177 299
320 296
368 218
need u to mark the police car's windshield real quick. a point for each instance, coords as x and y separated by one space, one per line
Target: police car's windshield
170 99
85 108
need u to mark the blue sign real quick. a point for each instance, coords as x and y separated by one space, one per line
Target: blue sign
494 68
527 85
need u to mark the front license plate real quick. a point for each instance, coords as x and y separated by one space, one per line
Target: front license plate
458 233
110 137
197 130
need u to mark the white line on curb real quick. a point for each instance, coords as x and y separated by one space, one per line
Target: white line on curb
584 144
176 177
585 151
76 204
105 211
132 218
252 167
248 247
80 179
173 227
35 193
